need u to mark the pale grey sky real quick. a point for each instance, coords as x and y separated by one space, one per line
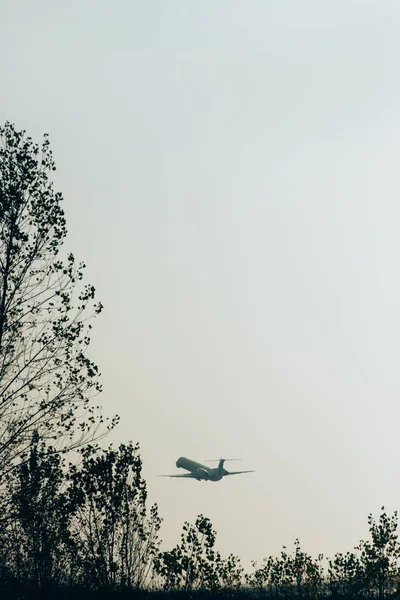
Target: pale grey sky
230 175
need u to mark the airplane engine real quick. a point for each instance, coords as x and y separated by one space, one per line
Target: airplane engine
201 474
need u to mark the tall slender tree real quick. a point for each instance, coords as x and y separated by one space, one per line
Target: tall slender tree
46 378
115 533
38 533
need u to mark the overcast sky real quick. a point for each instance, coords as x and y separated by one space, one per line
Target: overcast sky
231 178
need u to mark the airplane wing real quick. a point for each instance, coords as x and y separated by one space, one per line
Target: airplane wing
238 472
185 475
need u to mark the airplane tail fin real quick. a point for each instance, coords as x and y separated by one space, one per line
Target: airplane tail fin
220 462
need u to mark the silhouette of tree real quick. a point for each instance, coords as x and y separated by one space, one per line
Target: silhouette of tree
379 557
88 526
260 578
6 541
345 575
46 379
288 575
307 573
231 572
374 570
40 547
116 537
195 564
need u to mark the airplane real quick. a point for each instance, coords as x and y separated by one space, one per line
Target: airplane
202 472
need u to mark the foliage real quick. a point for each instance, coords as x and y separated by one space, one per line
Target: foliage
87 526
46 379
195 564
288 574
37 524
345 575
379 557
374 570
191 563
117 539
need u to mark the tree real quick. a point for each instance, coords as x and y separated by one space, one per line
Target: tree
374 570
260 579
87 526
192 563
195 564
40 547
231 572
288 575
345 575
116 538
46 379
379 557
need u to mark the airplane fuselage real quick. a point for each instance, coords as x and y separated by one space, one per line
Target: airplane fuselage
199 471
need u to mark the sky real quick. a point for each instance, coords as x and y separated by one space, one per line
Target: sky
230 173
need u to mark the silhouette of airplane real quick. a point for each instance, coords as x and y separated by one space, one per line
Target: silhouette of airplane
202 472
